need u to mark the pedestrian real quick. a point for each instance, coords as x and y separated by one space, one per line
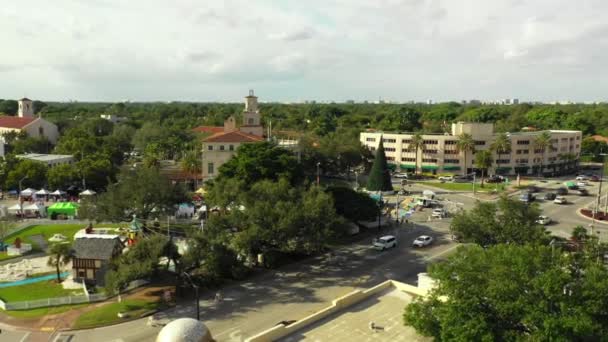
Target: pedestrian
372 326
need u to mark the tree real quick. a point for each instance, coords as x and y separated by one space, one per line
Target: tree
416 144
379 176
31 145
62 176
502 145
9 107
483 161
512 293
465 145
60 255
33 171
191 164
506 221
541 143
140 192
353 205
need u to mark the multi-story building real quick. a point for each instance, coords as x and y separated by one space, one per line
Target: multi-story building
440 153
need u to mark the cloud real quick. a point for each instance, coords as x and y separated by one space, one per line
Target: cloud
292 36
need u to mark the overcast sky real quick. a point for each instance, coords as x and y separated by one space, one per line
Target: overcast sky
289 50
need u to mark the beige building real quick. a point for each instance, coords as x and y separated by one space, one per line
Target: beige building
440 154
223 143
25 121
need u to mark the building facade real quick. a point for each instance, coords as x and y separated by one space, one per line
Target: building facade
440 154
223 142
50 160
33 126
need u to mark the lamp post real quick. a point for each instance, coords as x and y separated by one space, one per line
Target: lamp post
20 199
198 309
599 192
318 173
356 179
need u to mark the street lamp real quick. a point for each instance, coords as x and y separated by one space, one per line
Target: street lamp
20 199
318 173
198 309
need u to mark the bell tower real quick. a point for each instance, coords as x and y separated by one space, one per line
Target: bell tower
251 116
26 108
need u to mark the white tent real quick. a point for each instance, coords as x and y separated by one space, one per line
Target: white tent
57 193
185 209
14 208
428 194
87 193
27 192
34 207
42 192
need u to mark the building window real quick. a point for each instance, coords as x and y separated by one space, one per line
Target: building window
250 121
390 158
409 159
479 142
523 151
566 139
538 151
406 141
429 151
521 161
231 147
523 142
578 137
451 161
430 142
429 160
221 147
389 140
370 139
389 149
451 142
41 131
210 168
554 141
450 152
210 147
503 161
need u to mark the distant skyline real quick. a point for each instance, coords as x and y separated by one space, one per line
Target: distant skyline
288 50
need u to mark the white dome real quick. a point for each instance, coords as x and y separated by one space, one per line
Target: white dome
184 330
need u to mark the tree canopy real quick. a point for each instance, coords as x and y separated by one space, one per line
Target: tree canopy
379 177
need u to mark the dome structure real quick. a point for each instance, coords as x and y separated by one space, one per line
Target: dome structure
185 330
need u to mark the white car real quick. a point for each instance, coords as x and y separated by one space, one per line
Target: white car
581 184
423 240
439 213
560 200
385 242
446 178
582 178
58 238
544 220
400 175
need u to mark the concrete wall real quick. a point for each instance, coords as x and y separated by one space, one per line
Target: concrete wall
336 306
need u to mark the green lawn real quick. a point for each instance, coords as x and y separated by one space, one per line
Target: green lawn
39 290
41 312
465 186
108 314
47 231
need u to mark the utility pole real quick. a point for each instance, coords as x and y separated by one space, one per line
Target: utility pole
474 177
318 173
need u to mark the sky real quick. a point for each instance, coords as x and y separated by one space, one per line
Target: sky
294 50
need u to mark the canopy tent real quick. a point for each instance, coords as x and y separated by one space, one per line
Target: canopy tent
35 207
42 192
58 193
201 191
88 193
202 209
184 209
428 194
63 208
14 208
28 192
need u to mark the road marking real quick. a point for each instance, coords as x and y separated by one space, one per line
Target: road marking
231 330
47 329
431 257
25 337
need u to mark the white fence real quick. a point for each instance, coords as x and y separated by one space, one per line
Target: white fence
41 303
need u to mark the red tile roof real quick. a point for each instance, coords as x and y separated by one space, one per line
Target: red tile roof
15 121
599 138
234 136
208 129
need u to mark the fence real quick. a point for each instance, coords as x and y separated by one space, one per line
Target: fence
86 298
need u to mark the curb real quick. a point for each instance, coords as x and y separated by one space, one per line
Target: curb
578 212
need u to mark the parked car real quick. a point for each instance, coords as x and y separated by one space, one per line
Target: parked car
544 220
583 192
495 179
462 179
423 240
446 178
385 242
582 177
439 213
581 184
561 191
527 197
549 196
400 175
533 189
594 178
560 200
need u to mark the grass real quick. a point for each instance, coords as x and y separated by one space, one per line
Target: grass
41 312
108 314
39 290
48 231
465 186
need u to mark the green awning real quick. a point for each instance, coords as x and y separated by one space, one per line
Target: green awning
392 166
503 169
63 208
430 167
451 168
407 166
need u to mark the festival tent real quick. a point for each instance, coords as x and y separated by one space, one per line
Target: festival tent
15 208
42 192
35 207
58 193
27 192
87 193
63 208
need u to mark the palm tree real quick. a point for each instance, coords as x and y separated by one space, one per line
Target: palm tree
60 255
502 145
541 143
483 161
417 143
191 164
465 144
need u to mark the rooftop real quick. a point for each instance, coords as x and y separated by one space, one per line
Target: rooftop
233 137
15 121
95 248
44 157
208 129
